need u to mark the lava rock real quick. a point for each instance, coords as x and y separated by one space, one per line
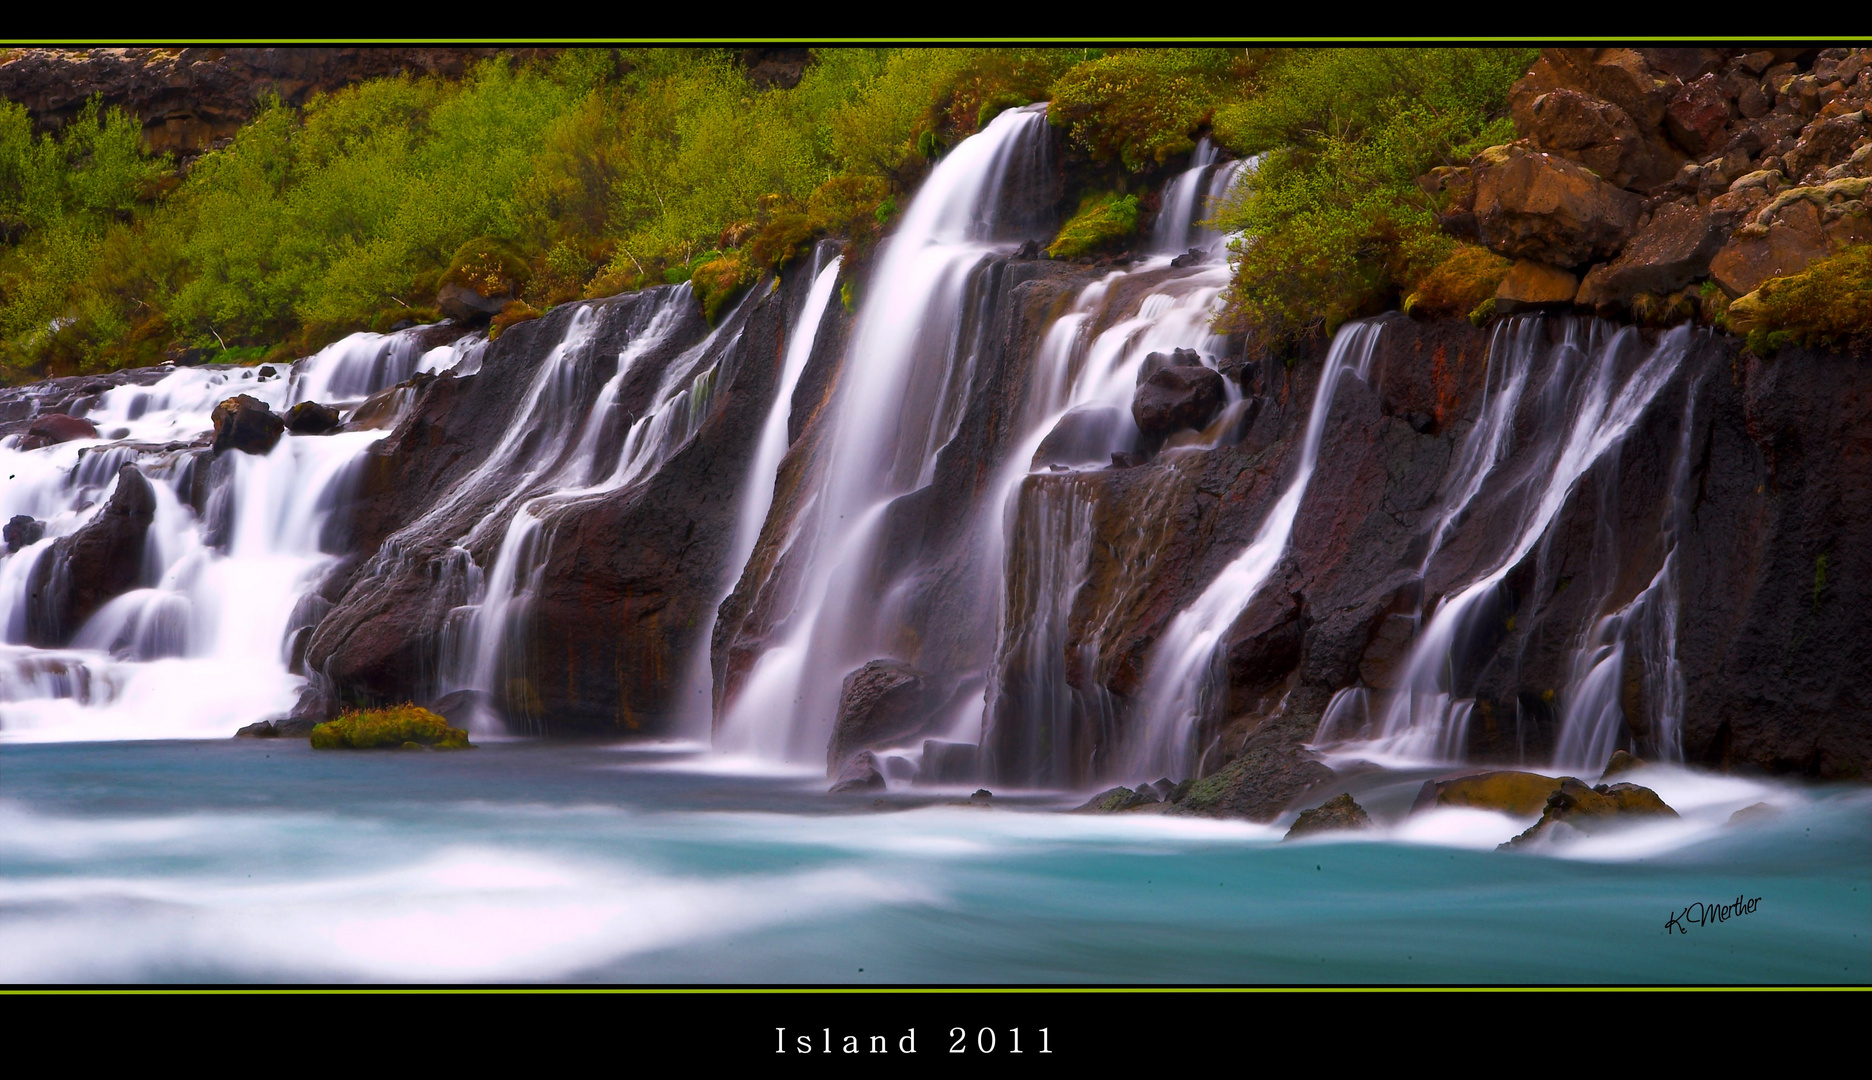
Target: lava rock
312 418
84 571
246 424
1272 770
1507 791
259 729
1531 286
1593 810
1083 436
1157 361
1336 814
1177 397
1698 117
1621 762
1669 253
1544 208
881 704
59 428
22 531
860 774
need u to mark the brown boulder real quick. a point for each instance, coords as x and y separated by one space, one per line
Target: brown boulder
883 703
1336 814
1593 810
1508 791
1536 206
859 775
1669 253
1620 76
1531 286
1600 136
1621 762
1824 143
1792 230
1698 116
58 428
246 424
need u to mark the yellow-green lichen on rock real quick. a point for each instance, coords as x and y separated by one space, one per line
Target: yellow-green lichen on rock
1826 306
396 727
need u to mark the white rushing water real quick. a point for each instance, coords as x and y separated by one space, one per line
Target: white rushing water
1185 669
1575 402
901 393
201 645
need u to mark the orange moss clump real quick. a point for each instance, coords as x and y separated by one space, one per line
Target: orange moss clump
398 727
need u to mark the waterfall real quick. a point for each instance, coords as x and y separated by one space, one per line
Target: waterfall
1184 678
901 393
1550 415
1191 197
202 643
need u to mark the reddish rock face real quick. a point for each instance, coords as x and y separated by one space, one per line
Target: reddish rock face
1534 206
1698 117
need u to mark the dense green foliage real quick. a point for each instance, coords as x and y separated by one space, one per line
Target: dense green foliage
1333 222
604 170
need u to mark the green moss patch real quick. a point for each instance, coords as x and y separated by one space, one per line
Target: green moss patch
1459 284
719 280
1103 220
397 727
1826 306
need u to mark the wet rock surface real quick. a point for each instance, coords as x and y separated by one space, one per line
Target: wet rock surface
884 703
246 424
1270 772
1575 809
1337 814
80 573
1507 791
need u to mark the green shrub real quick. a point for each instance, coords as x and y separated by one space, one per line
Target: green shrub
1141 107
719 280
396 727
1103 220
1333 224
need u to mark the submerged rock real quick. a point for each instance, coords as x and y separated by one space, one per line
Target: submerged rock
1593 810
58 428
259 729
1507 791
1335 814
246 424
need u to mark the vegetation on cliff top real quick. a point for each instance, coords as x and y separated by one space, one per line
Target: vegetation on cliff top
605 170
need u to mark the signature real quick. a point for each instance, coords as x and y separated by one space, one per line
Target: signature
1703 914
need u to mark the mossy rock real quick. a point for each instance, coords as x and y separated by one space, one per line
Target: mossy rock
1104 219
720 280
1826 306
518 311
1459 284
1507 791
488 265
394 728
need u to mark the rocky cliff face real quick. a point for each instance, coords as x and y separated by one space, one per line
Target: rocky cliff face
1640 174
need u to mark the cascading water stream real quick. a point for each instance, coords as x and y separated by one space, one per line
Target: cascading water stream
1191 198
200 645
1582 412
900 397
1180 686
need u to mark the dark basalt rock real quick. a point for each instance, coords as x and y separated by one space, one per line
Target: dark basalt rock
312 418
1271 772
1175 397
948 763
1083 436
859 775
246 424
1336 814
22 531
883 703
83 571
259 729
